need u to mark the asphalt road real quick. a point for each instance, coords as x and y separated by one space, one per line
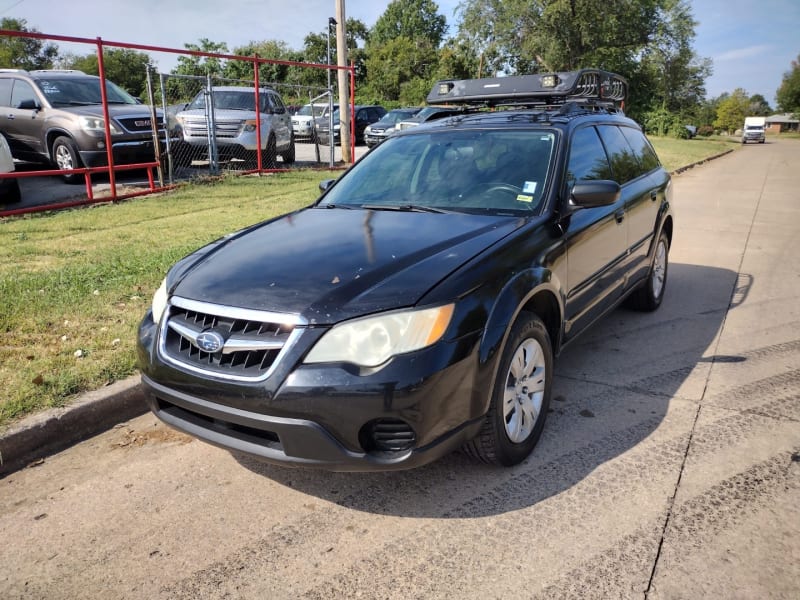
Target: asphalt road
50 190
668 467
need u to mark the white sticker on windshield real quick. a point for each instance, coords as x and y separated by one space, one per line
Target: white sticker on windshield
529 187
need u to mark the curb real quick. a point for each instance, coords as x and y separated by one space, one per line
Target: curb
680 170
53 430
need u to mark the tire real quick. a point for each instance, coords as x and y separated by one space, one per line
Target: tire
10 191
65 156
520 396
269 158
289 156
648 297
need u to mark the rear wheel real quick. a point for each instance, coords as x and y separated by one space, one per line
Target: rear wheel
520 396
66 157
649 296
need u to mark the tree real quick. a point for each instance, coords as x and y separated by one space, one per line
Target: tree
127 68
315 50
789 92
418 20
732 111
184 89
759 107
25 53
403 51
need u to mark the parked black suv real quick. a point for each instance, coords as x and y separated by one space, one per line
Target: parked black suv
417 305
56 117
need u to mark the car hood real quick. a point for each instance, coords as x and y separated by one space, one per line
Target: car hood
332 264
115 111
219 114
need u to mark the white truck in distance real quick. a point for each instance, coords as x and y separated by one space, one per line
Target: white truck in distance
754 129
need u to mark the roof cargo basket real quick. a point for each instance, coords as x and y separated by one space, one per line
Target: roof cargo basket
546 88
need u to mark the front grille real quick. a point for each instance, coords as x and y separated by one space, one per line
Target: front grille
222 129
250 342
138 124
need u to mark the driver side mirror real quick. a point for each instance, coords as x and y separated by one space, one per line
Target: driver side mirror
29 104
590 193
325 184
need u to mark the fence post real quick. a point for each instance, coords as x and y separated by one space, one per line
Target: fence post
151 98
107 119
259 157
211 126
170 173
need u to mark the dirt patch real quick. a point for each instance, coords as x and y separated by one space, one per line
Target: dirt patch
158 434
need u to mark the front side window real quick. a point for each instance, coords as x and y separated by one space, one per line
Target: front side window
467 171
587 157
21 92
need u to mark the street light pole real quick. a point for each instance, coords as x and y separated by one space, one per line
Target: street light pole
331 21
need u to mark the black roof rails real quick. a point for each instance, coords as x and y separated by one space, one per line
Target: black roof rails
547 88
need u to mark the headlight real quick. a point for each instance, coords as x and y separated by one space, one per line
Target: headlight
250 125
371 341
160 301
96 125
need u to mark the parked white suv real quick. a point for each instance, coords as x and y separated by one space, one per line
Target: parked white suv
234 119
303 120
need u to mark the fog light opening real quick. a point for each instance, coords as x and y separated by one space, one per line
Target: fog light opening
381 436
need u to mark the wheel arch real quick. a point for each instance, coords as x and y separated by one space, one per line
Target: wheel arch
52 135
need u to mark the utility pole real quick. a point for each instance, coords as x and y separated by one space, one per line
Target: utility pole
344 81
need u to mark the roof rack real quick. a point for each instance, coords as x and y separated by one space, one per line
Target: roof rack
58 71
548 88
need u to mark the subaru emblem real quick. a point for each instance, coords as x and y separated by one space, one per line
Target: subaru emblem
210 341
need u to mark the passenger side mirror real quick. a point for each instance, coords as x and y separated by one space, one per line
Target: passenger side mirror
589 193
29 104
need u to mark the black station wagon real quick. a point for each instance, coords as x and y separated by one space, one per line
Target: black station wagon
416 307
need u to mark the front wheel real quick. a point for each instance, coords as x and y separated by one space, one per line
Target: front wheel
520 396
289 156
65 157
649 296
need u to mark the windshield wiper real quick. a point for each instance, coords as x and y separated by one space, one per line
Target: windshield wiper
406 208
346 206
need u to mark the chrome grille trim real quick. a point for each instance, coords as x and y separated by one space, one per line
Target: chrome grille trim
255 341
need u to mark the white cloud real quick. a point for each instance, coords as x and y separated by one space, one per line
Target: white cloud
742 53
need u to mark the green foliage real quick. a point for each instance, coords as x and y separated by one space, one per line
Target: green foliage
732 111
413 19
24 53
789 92
399 69
127 68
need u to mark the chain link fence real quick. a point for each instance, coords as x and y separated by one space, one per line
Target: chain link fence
213 126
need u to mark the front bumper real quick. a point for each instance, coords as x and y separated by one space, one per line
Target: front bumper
125 152
321 415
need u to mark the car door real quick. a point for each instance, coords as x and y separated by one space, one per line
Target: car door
643 208
281 123
23 120
596 238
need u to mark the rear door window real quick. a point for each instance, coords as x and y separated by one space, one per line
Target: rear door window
644 151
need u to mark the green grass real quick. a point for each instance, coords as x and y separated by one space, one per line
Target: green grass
75 284
675 154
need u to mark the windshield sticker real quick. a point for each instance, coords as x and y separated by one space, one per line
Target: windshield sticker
529 187
524 198
48 87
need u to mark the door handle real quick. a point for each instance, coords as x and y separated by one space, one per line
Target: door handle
619 216
653 195
10 117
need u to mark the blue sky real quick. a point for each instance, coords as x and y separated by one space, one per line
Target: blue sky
752 42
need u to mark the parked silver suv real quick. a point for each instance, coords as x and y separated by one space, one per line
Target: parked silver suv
234 125
56 117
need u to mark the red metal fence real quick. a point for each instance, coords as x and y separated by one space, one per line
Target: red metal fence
154 166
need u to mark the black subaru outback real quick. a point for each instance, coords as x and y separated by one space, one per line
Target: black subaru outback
416 307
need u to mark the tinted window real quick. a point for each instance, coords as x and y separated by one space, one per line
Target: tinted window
21 92
624 162
587 157
644 151
5 92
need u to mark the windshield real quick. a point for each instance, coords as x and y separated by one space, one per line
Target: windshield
82 91
309 111
395 116
463 171
232 100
